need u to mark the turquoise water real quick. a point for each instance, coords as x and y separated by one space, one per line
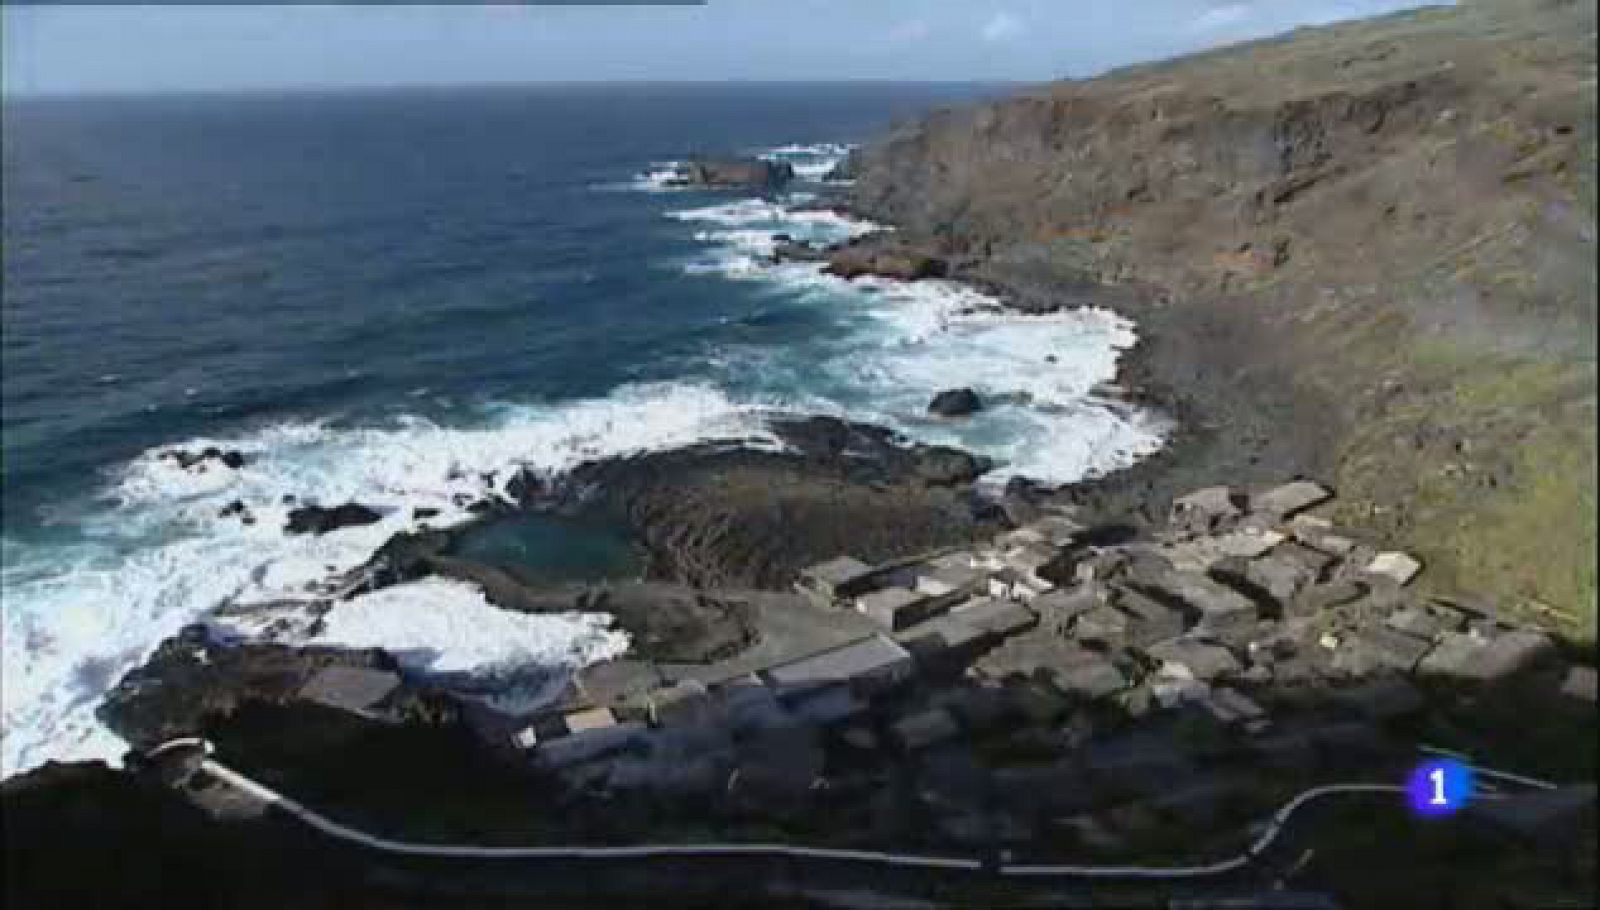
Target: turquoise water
544 548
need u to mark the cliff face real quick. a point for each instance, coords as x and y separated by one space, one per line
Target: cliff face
1380 236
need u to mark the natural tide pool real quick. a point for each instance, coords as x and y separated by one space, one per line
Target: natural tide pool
550 549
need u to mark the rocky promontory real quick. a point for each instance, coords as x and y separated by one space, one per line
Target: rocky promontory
738 173
1361 253
723 515
1364 252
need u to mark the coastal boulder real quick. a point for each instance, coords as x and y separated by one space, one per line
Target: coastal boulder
319 520
525 486
854 260
192 680
955 403
749 173
793 251
228 458
943 466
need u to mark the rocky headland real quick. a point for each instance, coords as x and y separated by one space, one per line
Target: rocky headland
1361 253
733 173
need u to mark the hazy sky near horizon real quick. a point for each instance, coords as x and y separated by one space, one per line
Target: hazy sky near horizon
76 49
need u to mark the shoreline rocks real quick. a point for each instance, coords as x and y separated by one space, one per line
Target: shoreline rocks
734 173
886 257
319 520
228 458
955 403
193 679
717 515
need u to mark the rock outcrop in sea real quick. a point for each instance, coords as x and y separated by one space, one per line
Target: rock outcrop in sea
737 173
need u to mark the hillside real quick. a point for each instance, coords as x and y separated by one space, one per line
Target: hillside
1364 252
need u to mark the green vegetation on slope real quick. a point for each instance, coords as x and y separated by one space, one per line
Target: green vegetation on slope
1392 222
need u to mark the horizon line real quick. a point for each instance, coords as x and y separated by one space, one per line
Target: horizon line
376 87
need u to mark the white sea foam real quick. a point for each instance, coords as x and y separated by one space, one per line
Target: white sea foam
160 555
1047 424
743 248
446 628
660 177
907 341
810 162
776 217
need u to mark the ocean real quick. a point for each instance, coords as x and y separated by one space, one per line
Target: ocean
382 296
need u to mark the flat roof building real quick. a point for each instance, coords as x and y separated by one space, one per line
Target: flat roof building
993 617
893 608
591 719
682 702
837 579
589 744
941 580
939 639
873 662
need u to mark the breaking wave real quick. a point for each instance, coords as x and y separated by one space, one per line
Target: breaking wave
160 553
157 551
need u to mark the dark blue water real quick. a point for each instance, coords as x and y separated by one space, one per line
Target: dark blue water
190 265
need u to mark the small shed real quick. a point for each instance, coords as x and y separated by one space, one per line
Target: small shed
840 578
893 608
683 702
591 719
993 617
1291 498
949 579
872 662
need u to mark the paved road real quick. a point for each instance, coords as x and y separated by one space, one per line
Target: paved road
785 857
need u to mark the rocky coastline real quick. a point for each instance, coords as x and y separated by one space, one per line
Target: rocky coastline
726 530
1314 293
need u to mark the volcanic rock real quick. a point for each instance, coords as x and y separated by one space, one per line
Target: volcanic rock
955 403
229 458
192 680
751 173
319 520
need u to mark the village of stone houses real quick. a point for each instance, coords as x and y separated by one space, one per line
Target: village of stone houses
1062 687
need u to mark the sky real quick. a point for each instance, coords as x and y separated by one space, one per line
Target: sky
78 49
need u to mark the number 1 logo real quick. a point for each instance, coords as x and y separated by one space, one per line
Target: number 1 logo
1439 787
